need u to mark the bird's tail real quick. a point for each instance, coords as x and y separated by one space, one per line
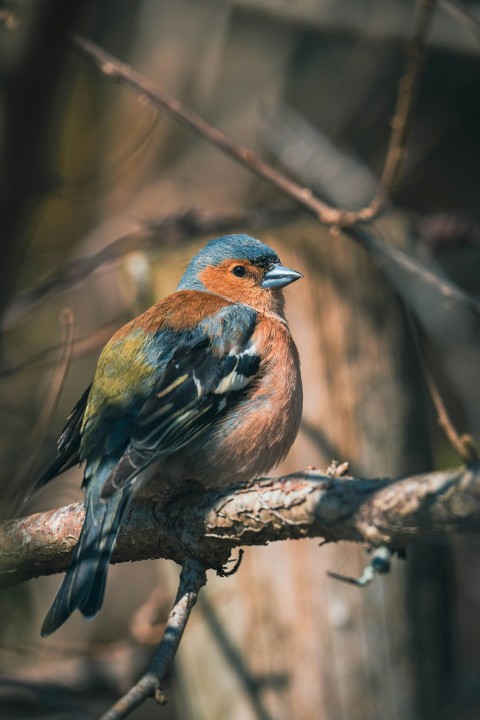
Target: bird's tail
83 587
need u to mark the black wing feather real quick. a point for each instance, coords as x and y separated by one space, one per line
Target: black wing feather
68 445
192 393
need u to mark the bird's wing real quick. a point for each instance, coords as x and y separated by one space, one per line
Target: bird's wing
208 371
68 445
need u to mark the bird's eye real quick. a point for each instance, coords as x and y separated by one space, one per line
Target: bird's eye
239 271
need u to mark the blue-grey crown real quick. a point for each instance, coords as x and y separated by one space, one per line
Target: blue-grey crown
238 247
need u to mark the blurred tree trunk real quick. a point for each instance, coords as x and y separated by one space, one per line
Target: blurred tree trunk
280 639
31 62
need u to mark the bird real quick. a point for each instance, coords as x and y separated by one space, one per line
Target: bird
205 386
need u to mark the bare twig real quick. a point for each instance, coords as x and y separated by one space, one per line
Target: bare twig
83 345
407 93
304 196
192 579
149 93
461 11
150 233
463 444
208 525
388 255
42 425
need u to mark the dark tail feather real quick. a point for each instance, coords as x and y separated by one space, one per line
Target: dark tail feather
83 587
109 534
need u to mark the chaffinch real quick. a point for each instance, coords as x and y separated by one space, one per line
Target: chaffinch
205 385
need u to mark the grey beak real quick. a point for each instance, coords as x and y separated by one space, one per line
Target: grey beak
279 276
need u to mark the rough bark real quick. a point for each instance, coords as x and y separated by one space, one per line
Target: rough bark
208 525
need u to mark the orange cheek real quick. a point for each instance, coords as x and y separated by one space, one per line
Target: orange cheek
220 281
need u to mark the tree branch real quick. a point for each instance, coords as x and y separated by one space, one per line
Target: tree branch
463 444
152 232
463 12
192 579
407 93
208 525
147 92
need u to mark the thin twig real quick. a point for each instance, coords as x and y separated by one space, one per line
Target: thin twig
462 444
192 579
402 261
407 93
149 93
157 232
83 345
461 11
112 67
42 425
304 196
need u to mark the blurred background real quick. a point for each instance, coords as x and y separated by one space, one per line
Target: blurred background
102 203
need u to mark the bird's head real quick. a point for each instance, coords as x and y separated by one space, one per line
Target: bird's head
241 269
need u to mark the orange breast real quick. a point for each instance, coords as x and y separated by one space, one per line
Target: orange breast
254 437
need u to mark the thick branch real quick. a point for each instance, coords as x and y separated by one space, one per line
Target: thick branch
207 525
